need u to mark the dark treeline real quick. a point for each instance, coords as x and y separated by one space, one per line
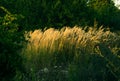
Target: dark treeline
59 13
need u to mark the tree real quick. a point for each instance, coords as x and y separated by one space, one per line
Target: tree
105 12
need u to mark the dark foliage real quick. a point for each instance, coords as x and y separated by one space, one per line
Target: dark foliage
59 13
10 45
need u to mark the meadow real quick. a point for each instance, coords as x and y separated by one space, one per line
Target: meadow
72 54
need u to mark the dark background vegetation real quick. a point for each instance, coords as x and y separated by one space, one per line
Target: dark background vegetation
37 14
59 13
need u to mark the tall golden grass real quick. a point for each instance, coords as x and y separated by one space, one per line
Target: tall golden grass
76 37
60 47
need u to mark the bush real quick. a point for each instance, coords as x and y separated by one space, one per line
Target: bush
10 46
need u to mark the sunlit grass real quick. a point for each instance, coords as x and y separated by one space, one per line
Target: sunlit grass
65 50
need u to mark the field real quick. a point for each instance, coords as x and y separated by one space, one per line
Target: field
72 54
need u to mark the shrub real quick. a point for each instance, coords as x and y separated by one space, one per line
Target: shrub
10 45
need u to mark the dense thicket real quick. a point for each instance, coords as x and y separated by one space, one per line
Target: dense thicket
59 13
